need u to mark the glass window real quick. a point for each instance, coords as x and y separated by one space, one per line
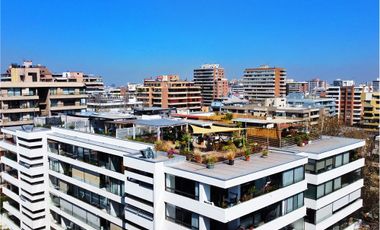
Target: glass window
310 166
287 178
320 165
300 200
337 183
338 160
328 187
320 190
346 158
289 204
298 174
329 163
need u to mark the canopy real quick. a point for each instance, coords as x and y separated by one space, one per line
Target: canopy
213 129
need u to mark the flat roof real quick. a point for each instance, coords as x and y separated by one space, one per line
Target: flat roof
121 148
200 123
110 116
25 128
223 171
262 121
164 122
324 144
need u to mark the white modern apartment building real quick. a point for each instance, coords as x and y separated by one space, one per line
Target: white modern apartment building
65 179
334 181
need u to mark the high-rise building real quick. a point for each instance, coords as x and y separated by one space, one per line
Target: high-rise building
264 82
376 85
94 84
296 87
211 79
371 111
28 90
64 179
348 103
168 91
340 82
315 86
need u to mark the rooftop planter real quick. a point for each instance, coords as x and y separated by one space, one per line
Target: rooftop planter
247 154
230 157
265 153
210 161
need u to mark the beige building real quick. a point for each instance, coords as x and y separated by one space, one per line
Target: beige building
28 90
168 91
264 82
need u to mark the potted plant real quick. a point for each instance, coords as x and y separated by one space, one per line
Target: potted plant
265 153
197 156
247 154
210 161
230 157
171 153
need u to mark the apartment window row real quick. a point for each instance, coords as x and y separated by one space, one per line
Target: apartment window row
79 213
182 186
29 140
30 147
88 197
31 158
272 212
26 165
32 183
140 183
32 177
32 194
112 185
143 173
97 158
317 216
10 155
318 191
34 219
34 212
181 216
29 200
149 203
321 166
293 203
139 212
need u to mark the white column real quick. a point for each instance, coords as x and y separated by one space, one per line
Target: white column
158 196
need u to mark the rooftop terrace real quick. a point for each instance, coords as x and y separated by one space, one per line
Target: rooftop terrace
324 144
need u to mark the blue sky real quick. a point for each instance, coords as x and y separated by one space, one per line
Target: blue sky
126 41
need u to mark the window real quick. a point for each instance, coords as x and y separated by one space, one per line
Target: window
338 160
346 158
328 187
329 163
287 178
182 216
320 166
337 183
320 190
298 174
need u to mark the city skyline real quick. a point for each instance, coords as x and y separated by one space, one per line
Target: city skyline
134 40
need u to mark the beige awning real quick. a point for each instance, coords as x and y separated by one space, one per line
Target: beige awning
213 129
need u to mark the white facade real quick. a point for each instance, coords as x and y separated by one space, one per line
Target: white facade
334 181
67 179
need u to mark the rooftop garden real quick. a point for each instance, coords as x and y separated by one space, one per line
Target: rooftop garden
209 150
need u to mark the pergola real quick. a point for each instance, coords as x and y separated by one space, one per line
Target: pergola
157 124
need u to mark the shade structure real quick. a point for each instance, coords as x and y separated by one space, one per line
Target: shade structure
213 129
